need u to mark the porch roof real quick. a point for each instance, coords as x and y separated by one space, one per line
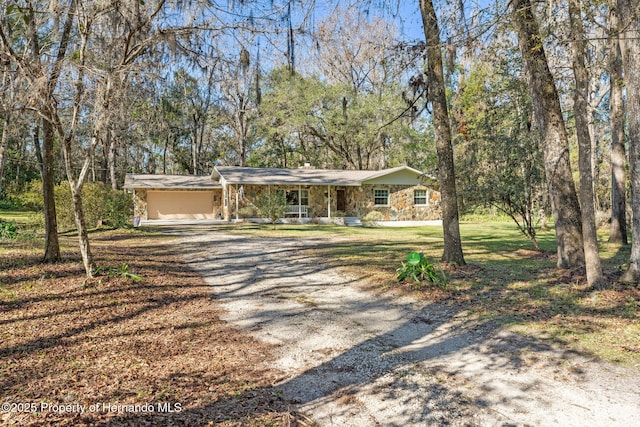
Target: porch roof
301 176
224 175
176 182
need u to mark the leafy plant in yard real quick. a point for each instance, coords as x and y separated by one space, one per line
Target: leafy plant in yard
372 218
6 202
420 269
102 205
121 271
272 205
247 212
8 230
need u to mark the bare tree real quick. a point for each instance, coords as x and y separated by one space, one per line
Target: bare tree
358 52
240 101
60 94
41 67
446 173
7 99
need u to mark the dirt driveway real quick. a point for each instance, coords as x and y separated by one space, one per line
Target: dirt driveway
352 358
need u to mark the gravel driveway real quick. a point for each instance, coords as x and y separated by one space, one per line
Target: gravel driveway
352 358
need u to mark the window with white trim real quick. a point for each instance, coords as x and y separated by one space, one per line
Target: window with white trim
295 197
420 197
381 197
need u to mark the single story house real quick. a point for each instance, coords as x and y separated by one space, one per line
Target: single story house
398 194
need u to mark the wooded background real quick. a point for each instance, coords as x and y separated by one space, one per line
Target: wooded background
527 108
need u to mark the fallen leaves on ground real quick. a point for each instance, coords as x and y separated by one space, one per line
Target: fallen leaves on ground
112 351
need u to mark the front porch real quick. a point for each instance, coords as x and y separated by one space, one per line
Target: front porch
303 201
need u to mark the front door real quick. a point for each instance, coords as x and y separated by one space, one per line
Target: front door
341 204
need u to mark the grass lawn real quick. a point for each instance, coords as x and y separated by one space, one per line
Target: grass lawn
505 280
111 343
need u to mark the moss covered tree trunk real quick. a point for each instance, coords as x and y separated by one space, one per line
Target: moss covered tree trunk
546 105
581 114
629 20
618 231
436 96
51 244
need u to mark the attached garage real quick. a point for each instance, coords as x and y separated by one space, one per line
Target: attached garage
167 197
164 204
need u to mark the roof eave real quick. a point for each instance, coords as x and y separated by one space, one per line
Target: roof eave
303 183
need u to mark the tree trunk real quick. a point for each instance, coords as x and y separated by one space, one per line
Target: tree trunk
164 155
581 113
631 62
592 111
242 126
546 105
111 159
36 146
48 104
618 231
51 247
104 163
4 141
444 148
76 185
67 133
194 149
81 225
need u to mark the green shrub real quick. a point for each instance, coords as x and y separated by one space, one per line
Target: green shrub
102 205
120 271
64 207
31 197
8 203
373 216
8 230
118 208
248 212
420 269
272 205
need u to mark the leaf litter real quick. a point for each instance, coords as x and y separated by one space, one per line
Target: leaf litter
114 351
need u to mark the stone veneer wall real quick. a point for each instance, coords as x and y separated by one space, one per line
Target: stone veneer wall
359 201
217 204
140 203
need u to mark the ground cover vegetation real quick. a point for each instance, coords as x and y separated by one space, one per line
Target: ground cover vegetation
506 280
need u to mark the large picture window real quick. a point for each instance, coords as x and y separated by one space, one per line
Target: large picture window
381 197
420 197
298 197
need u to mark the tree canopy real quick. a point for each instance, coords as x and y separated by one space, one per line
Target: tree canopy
495 98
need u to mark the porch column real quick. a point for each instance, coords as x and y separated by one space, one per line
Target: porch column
225 203
329 202
300 202
237 202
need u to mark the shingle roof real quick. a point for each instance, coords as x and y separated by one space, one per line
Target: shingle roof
261 176
178 182
302 176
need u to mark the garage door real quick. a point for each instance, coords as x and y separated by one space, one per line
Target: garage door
180 204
